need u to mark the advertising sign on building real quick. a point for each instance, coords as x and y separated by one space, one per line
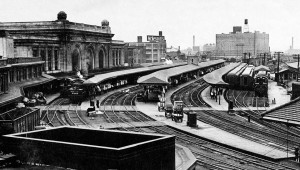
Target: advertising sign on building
155 38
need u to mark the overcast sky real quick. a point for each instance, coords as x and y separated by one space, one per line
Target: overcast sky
178 19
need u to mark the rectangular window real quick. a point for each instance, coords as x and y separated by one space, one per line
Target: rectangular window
35 72
18 75
30 72
43 56
49 59
35 52
25 74
11 76
56 62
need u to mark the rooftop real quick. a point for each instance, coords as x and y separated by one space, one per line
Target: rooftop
109 139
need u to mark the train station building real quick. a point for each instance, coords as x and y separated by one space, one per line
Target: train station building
66 46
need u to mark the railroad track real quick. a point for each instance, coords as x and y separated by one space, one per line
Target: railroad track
241 128
51 115
273 129
209 155
73 116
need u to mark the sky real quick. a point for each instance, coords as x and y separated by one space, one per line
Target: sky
179 20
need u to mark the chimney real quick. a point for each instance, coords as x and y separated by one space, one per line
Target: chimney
193 40
292 42
160 33
140 39
246 26
178 48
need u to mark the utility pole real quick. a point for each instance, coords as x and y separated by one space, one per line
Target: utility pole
278 59
298 55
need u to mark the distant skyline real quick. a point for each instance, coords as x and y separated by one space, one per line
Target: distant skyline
179 20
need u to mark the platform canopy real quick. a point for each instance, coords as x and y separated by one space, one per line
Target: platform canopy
102 77
162 76
287 113
261 68
215 77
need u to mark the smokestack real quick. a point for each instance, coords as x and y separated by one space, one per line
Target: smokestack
160 33
292 42
193 40
140 39
178 48
246 26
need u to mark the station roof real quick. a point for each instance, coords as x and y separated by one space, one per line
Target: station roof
261 68
215 77
102 77
286 113
237 69
293 65
162 76
248 71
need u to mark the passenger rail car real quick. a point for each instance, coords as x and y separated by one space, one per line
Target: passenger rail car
247 78
233 77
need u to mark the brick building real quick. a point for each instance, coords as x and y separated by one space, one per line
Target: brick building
236 43
66 46
155 47
134 55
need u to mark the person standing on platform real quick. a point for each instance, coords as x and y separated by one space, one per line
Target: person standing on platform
297 154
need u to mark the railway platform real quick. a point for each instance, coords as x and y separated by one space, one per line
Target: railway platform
215 134
279 93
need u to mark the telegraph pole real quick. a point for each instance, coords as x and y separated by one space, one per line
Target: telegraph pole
278 58
298 55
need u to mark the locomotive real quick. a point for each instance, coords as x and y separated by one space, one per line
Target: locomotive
261 84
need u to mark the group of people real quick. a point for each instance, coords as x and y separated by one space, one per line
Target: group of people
36 98
215 92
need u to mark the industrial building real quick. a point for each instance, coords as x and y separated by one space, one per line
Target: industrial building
236 43
155 47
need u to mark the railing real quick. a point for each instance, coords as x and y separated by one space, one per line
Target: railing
23 60
3 62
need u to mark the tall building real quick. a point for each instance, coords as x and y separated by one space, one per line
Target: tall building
236 43
155 47
66 46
